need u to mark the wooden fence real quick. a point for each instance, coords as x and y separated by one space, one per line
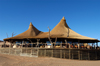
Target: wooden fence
32 52
80 54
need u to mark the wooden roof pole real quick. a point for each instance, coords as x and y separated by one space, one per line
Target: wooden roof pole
12 34
29 40
49 36
55 40
50 39
38 42
66 43
78 44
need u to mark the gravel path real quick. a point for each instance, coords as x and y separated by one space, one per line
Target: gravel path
11 60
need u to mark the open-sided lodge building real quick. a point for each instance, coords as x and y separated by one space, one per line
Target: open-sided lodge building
61 42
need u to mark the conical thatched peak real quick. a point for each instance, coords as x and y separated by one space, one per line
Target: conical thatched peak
63 18
63 23
60 27
31 32
31 24
63 30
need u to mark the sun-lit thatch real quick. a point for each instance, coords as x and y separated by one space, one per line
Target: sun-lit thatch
61 30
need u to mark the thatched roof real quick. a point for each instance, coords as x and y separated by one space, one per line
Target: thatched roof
61 30
31 32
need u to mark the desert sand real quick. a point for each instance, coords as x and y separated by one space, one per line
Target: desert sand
11 60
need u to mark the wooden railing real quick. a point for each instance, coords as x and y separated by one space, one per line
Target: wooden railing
20 51
66 53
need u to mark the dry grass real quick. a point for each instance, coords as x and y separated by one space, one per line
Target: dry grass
10 60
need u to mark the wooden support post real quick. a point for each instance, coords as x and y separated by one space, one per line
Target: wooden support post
78 44
60 45
52 53
23 43
38 42
45 52
64 54
69 45
15 51
45 45
26 47
9 47
31 51
79 54
41 54
55 39
96 55
69 53
60 53
38 52
66 43
22 46
55 42
72 44
31 45
51 45
50 39
94 46
88 55
26 51
72 55
54 45
14 44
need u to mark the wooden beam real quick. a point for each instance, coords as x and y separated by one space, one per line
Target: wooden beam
55 39
38 42
66 42
78 44
49 39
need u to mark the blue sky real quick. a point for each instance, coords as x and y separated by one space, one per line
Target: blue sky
82 16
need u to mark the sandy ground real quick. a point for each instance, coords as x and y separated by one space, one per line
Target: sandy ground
10 60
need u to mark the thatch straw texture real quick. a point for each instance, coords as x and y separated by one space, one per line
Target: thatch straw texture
61 30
